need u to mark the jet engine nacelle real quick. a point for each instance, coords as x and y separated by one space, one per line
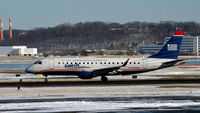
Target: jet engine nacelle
86 75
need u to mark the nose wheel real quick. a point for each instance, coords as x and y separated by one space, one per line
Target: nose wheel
46 79
104 79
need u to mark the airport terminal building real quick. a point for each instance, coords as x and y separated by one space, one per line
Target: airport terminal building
190 45
17 51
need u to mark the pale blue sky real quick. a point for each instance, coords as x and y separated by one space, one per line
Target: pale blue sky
29 14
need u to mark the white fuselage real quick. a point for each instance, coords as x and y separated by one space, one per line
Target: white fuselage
73 66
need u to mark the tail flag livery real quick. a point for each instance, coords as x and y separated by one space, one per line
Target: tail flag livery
171 49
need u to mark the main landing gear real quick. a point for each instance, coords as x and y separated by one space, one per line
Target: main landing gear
104 79
134 77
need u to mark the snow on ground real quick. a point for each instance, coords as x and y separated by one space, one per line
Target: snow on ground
94 106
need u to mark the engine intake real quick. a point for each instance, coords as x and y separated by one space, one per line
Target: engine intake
86 75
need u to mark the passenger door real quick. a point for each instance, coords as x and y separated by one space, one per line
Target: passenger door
145 63
51 63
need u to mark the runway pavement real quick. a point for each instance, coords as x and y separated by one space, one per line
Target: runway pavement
156 92
96 96
35 82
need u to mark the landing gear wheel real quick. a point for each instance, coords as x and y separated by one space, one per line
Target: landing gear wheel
45 79
104 79
134 77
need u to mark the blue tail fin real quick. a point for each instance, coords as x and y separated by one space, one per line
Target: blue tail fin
171 49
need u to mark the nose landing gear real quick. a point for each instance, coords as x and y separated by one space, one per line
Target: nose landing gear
46 79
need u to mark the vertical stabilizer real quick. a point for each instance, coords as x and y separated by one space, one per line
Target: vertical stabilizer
171 49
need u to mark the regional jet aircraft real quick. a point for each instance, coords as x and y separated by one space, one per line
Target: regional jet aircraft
90 67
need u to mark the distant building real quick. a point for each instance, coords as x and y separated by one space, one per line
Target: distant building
148 49
105 52
190 45
17 51
87 53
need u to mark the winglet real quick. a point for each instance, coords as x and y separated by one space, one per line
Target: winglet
125 63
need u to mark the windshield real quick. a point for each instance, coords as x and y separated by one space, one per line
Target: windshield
38 62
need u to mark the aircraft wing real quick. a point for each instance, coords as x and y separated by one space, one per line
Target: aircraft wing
109 69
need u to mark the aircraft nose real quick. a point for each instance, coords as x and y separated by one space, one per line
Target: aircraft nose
27 70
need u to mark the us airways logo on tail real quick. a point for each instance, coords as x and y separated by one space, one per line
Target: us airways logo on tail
172 47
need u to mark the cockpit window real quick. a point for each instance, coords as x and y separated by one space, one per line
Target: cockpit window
38 62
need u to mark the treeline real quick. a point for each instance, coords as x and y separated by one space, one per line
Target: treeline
97 35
